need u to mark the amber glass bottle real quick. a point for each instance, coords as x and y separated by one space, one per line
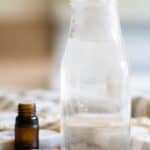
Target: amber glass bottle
26 128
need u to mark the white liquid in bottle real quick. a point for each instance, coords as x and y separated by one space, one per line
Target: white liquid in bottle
91 132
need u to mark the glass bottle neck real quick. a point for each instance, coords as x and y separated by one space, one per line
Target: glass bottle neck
27 110
95 20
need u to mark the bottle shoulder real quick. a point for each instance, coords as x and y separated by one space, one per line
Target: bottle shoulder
81 50
28 120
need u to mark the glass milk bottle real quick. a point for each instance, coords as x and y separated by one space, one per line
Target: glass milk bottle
94 80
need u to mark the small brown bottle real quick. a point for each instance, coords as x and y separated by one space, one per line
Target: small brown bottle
26 128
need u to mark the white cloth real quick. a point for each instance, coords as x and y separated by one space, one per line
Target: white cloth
47 107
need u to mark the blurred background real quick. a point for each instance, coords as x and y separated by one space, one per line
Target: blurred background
31 41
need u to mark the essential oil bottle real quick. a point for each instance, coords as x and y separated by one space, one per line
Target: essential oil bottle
26 128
